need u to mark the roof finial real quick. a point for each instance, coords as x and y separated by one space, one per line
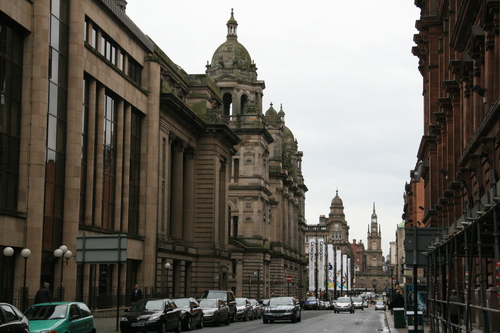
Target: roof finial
231 26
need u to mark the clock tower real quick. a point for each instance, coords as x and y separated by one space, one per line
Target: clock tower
374 246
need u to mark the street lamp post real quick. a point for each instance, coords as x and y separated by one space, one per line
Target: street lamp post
63 253
25 253
258 283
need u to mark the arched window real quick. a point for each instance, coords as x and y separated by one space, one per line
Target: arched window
243 103
227 100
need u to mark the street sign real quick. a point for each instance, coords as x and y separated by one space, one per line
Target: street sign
288 278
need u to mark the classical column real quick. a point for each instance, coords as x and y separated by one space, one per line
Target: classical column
189 188
177 193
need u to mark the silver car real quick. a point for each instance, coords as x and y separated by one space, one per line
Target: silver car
344 304
380 305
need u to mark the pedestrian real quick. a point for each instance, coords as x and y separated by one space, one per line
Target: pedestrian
136 295
398 301
43 295
454 310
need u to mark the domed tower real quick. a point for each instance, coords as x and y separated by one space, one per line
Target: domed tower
338 224
235 73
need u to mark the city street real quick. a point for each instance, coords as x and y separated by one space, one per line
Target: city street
367 321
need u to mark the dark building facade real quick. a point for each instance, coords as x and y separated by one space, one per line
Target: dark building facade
454 186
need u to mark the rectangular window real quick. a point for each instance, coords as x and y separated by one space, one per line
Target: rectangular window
109 160
135 171
134 71
84 145
11 59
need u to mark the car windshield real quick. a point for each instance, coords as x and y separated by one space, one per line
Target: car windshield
208 303
357 300
241 301
311 299
343 300
215 294
281 301
380 302
47 312
144 305
182 303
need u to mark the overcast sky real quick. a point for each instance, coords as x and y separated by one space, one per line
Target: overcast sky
346 78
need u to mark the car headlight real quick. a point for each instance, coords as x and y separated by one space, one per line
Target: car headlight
208 313
122 319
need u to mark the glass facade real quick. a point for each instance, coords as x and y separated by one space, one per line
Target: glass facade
11 59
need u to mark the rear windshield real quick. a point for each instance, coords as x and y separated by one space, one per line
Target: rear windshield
47 312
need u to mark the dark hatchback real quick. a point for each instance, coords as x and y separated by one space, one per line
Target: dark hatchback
160 315
282 308
12 320
191 313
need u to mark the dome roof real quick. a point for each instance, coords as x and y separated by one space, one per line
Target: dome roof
337 201
231 54
271 111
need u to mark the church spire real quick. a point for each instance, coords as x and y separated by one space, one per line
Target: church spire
374 215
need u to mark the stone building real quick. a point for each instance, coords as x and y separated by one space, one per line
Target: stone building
266 189
332 231
107 136
373 277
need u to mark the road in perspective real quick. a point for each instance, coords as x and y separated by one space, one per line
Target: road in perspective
362 321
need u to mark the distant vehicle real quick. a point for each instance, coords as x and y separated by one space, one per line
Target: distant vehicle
257 309
74 317
215 311
157 315
380 305
344 304
12 320
282 308
357 303
365 304
244 309
227 296
191 313
311 303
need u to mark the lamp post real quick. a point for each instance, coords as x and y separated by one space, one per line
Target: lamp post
7 292
63 253
258 283
25 253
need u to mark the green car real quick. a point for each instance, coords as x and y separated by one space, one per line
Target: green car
61 317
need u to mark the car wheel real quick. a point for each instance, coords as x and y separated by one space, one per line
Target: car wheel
264 320
179 326
187 324
216 321
200 324
163 328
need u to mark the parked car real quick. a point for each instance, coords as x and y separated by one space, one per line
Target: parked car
12 320
74 317
344 304
282 308
380 305
257 309
146 315
357 303
311 303
215 311
191 313
244 309
227 296
365 304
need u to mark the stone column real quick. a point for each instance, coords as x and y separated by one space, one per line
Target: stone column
189 188
177 193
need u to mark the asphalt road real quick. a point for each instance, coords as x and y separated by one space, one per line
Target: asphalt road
366 321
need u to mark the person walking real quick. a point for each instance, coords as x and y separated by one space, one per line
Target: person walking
136 295
454 310
43 295
398 301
